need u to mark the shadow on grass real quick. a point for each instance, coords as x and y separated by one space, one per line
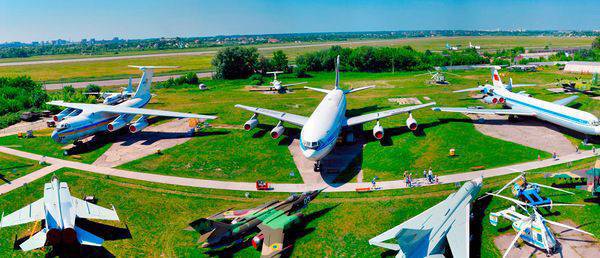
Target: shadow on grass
301 230
477 219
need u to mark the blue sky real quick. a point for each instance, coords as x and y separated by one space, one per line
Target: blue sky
27 20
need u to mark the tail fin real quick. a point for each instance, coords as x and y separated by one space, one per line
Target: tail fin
129 88
274 73
143 88
496 81
510 85
337 73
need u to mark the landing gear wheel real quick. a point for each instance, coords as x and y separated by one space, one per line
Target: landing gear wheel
512 118
66 152
317 166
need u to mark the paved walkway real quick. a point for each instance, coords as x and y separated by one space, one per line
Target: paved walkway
23 127
130 147
14 184
250 186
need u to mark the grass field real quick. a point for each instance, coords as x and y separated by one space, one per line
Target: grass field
42 144
94 70
339 223
12 167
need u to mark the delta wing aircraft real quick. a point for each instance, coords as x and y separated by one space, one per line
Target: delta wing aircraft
321 130
522 104
428 234
80 120
272 219
59 210
276 84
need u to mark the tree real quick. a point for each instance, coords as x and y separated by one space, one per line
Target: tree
235 62
263 65
92 88
596 43
279 61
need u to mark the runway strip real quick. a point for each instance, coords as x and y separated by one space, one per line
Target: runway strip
116 82
250 186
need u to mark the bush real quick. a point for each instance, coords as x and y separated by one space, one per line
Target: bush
92 88
188 78
19 94
256 79
235 62
301 72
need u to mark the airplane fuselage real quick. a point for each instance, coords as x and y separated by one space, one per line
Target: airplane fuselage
567 117
85 124
320 133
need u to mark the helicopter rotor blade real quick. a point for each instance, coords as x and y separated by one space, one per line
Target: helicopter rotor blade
560 204
509 183
512 243
553 188
519 203
568 227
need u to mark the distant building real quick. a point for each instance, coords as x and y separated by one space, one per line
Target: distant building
271 40
582 67
534 55
523 68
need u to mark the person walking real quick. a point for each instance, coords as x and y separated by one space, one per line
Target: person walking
424 173
430 175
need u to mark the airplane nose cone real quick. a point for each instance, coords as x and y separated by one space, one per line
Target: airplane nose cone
55 137
310 154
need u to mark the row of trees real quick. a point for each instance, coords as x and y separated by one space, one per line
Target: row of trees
241 62
19 94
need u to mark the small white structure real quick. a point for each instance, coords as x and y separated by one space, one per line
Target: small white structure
202 86
582 67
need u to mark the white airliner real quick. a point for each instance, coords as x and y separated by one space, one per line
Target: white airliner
276 84
522 104
321 130
59 210
80 120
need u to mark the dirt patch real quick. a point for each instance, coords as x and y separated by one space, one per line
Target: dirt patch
406 101
530 132
572 244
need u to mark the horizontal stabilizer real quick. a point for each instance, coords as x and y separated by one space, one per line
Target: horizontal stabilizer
87 238
317 89
34 242
359 89
565 101
152 67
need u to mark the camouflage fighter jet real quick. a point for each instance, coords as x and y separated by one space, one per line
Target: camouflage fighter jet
270 220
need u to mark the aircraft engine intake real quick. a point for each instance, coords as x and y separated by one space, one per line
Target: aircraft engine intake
378 131
117 124
501 100
411 123
490 100
53 236
60 116
277 131
251 124
68 236
139 125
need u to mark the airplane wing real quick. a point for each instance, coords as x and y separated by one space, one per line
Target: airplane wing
411 238
286 117
485 111
89 210
565 101
458 234
126 110
32 212
273 243
378 115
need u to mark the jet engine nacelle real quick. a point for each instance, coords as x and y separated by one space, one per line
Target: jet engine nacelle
117 124
139 125
60 116
378 131
251 124
411 123
277 131
490 100
67 236
257 241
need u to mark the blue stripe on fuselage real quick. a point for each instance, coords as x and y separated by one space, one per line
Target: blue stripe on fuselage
543 110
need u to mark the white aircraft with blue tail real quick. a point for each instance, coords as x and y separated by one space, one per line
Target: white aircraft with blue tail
321 130
81 120
522 104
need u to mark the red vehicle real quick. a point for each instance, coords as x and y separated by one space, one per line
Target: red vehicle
262 185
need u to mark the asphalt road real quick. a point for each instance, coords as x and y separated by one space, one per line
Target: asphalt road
105 83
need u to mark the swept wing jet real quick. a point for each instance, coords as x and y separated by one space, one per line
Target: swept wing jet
277 85
444 225
80 120
271 220
59 210
321 130
522 104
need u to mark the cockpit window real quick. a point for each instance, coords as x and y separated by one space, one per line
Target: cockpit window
63 126
596 123
311 145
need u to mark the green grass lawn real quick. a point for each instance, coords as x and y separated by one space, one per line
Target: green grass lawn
221 154
13 167
340 223
42 144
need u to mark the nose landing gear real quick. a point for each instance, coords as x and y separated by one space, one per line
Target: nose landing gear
317 167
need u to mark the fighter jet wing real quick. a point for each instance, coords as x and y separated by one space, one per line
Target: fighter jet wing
89 210
411 238
31 212
273 241
458 234
485 111
286 117
293 84
565 101
126 110
378 115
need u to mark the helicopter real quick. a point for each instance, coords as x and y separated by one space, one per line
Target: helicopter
531 228
529 192
437 77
